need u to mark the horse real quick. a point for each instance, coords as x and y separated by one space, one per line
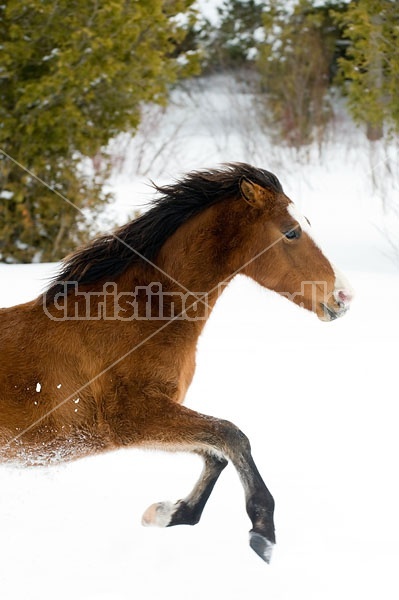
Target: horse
103 358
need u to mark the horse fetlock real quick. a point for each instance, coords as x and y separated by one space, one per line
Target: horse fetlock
185 514
260 505
260 511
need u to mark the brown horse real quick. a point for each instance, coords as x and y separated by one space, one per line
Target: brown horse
103 359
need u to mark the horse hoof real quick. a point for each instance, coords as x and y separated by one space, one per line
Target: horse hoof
261 545
158 514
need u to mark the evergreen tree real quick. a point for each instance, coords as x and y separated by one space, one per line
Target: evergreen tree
370 66
233 42
72 75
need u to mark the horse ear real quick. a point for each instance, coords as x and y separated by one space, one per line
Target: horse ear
252 193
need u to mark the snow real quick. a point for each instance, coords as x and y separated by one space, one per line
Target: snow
317 400
208 9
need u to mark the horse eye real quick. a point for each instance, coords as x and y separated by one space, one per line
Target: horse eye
293 234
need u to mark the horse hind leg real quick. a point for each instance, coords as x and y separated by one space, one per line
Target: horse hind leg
171 425
189 510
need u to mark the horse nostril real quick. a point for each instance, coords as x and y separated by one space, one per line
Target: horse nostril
343 292
344 296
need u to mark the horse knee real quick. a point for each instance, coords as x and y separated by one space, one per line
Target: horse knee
234 439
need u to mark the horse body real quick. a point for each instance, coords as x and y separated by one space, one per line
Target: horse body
83 397
106 364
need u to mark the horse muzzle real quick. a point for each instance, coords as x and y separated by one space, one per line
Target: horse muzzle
340 300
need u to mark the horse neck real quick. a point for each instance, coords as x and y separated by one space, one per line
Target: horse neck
202 254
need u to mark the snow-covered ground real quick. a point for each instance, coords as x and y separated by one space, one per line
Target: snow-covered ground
318 402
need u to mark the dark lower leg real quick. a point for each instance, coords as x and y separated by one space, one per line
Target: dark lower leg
189 510
260 509
259 501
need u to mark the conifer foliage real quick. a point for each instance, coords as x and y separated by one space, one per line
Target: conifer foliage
72 75
370 67
307 53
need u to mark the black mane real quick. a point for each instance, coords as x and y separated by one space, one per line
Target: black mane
141 239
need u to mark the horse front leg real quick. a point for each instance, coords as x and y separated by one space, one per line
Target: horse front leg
174 427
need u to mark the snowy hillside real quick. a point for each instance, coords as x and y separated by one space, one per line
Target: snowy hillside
317 400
